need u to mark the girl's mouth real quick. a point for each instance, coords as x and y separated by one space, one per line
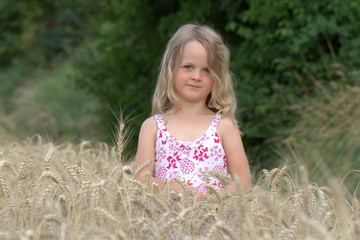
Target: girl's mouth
193 86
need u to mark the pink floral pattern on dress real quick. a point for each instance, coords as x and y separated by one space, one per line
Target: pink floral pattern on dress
187 160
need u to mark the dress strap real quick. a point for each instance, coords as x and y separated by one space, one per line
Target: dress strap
215 121
159 121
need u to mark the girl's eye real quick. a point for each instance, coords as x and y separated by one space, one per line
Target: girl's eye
188 67
206 70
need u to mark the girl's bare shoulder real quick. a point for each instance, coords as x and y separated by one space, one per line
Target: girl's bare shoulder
227 125
149 124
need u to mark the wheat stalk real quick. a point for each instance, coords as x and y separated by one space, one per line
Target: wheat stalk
219 228
173 220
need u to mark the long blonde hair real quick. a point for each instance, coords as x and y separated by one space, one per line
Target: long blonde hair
222 97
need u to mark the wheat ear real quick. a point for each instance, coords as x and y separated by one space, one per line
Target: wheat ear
48 157
146 164
172 221
185 186
120 140
11 206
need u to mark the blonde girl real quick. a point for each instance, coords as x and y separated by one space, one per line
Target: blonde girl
193 129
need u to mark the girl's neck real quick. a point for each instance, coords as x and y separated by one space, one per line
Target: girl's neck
189 111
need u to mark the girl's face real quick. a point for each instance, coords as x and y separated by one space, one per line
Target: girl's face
192 79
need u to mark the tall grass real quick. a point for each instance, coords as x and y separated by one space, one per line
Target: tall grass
85 192
327 138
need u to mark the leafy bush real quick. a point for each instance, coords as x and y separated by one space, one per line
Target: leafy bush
10 28
279 50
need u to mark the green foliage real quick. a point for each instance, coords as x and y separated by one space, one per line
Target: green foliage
281 48
10 79
54 106
281 51
52 26
39 35
10 28
123 68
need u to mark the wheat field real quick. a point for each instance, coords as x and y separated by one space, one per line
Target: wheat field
84 191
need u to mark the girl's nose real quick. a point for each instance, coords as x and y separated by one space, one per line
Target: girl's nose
196 76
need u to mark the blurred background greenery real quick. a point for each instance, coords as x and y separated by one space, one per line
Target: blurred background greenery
70 68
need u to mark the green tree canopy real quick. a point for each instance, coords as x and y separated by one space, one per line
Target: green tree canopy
281 51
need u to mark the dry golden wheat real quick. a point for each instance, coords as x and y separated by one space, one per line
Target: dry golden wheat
83 192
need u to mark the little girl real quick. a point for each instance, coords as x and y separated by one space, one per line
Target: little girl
193 128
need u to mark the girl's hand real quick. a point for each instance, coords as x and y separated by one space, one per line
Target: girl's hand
231 187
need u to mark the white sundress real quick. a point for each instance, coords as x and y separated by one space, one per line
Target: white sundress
187 160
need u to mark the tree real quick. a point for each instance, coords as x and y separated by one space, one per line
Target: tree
280 49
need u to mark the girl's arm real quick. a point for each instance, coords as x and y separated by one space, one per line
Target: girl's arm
146 146
146 151
238 164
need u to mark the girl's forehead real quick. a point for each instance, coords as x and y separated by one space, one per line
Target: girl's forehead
194 51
